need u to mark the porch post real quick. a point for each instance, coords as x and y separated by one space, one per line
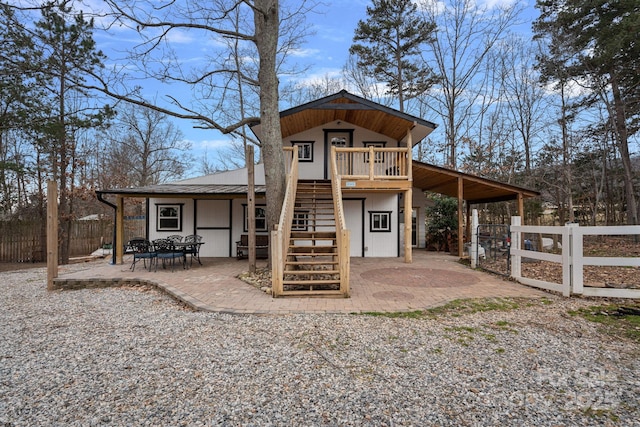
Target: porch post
408 208
408 201
410 154
118 245
521 206
470 230
460 217
251 208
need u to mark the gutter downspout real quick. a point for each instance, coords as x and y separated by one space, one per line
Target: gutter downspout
115 209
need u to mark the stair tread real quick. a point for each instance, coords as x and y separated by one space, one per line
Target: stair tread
310 272
312 254
311 263
321 247
312 237
310 234
311 282
314 293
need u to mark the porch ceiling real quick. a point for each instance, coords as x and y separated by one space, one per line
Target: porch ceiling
354 110
475 189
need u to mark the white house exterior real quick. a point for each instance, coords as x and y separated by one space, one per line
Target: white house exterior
222 221
371 146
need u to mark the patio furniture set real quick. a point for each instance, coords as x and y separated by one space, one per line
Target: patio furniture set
167 250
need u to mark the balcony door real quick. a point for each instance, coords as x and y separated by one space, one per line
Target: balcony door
338 138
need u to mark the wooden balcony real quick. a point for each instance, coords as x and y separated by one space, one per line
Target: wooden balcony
374 168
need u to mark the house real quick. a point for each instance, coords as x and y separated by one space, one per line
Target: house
353 191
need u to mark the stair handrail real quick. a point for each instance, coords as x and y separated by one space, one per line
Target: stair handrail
342 233
281 235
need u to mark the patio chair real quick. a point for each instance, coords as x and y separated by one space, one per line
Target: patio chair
194 248
166 251
175 237
141 249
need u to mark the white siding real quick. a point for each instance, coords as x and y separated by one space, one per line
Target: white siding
187 217
381 244
315 169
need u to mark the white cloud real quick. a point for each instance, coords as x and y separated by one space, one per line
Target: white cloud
319 75
572 90
304 53
179 37
497 4
213 144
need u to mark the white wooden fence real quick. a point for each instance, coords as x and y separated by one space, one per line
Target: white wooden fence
571 258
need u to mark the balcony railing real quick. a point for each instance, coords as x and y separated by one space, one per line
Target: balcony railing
374 163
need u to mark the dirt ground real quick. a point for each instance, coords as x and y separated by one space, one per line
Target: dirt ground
11 266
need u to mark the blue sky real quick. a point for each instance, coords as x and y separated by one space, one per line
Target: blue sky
326 52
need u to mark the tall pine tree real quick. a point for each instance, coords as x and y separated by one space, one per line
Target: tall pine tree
68 54
388 45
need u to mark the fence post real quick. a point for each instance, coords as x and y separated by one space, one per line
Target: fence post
572 262
52 233
474 239
516 260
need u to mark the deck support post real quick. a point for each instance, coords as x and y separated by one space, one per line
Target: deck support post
408 200
408 208
460 217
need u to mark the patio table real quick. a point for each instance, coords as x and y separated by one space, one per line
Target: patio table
192 248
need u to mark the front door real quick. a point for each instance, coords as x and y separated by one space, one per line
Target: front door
213 223
338 138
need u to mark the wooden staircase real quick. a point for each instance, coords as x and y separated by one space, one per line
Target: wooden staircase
311 263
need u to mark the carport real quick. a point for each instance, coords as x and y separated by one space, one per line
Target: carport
470 188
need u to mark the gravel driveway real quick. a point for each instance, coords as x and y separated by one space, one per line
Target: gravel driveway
132 356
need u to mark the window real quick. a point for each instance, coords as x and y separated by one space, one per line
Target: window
299 222
339 140
379 157
379 221
169 217
305 150
261 218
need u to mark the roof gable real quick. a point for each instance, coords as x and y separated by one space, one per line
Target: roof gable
353 109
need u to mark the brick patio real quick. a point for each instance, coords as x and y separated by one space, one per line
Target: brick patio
377 284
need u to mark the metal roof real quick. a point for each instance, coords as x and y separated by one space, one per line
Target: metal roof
184 190
425 176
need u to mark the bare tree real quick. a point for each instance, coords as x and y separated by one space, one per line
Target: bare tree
260 22
524 94
145 148
364 84
466 32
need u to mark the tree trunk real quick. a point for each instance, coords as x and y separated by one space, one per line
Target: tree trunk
266 38
622 134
